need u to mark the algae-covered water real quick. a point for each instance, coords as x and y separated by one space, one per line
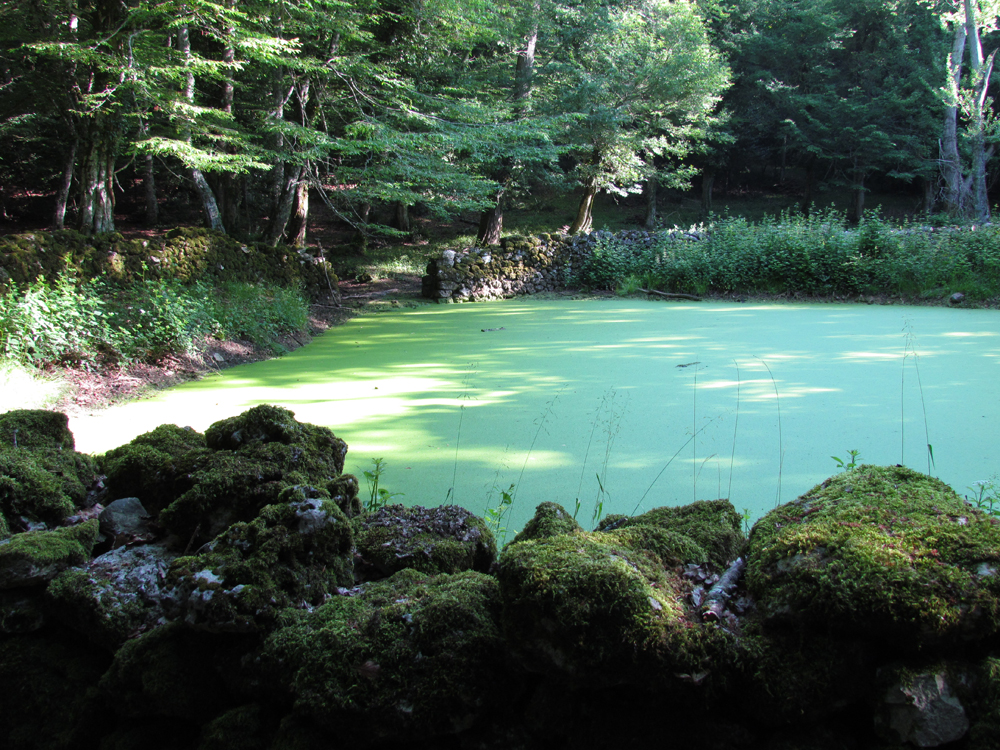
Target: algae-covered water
658 403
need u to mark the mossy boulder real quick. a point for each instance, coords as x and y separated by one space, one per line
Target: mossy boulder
42 486
117 596
21 611
294 554
34 557
714 525
412 655
36 428
607 607
448 539
173 672
550 519
196 486
156 466
46 692
884 552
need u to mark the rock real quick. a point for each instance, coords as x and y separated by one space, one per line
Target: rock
448 539
34 557
294 554
126 520
198 486
21 611
607 607
117 596
714 525
36 428
372 665
42 486
550 519
883 552
920 708
957 298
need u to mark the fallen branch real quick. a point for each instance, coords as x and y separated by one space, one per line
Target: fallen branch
672 295
715 599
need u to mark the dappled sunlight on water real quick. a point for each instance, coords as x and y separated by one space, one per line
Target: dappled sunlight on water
656 400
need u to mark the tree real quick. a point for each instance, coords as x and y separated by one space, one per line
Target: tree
642 83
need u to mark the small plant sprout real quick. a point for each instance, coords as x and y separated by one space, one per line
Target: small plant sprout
986 495
496 515
378 496
746 521
848 465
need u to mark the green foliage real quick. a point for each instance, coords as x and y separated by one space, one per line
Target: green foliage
495 514
378 497
986 495
848 465
83 323
816 255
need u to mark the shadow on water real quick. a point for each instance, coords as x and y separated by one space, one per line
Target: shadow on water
426 388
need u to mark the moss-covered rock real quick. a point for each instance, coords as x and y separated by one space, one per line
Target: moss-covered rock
46 685
247 727
36 428
21 611
714 525
173 672
550 519
606 607
197 486
408 656
880 551
448 539
116 597
156 467
29 492
294 554
34 557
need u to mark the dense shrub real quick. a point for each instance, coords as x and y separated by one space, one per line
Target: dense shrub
65 322
816 255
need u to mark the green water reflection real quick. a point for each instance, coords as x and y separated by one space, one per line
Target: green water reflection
449 405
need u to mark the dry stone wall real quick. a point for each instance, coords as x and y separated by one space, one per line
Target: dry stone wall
526 265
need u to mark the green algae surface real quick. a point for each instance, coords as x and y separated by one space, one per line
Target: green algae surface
664 403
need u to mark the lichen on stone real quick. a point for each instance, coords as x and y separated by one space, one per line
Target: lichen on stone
448 539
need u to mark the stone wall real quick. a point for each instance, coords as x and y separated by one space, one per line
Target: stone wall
526 265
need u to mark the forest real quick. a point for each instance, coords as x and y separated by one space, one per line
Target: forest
241 113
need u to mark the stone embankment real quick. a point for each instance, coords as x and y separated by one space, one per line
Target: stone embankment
526 265
228 590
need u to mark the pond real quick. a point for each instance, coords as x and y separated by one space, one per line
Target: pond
623 404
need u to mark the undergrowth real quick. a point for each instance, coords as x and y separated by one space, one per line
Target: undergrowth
817 255
68 322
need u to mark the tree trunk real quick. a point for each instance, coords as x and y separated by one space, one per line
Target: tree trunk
97 172
857 208
300 216
149 187
62 197
283 211
951 165
402 219
585 213
806 204
707 182
650 222
490 225
208 203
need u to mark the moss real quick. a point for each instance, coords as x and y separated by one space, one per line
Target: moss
96 607
29 490
246 727
713 524
984 734
550 519
408 655
885 551
36 428
273 424
448 539
344 491
170 671
293 554
46 686
156 467
36 556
